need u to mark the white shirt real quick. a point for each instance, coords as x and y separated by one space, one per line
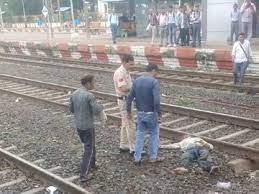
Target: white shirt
238 53
235 14
163 20
247 14
113 19
171 18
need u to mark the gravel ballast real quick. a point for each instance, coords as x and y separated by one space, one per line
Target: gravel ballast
45 131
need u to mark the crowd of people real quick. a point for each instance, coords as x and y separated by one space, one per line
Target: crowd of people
182 24
243 15
177 25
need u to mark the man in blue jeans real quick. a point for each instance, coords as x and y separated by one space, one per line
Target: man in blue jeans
241 56
114 23
146 92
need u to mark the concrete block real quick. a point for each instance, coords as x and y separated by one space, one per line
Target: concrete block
242 165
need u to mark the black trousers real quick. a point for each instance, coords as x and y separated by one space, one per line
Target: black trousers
185 36
87 137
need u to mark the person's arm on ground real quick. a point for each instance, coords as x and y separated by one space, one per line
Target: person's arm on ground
206 144
170 146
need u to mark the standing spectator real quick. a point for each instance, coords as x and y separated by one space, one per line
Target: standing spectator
153 22
196 25
171 27
114 23
241 56
189 10
184 26
123 84
146 92
163 21
247 11
178 23
235 15
85 108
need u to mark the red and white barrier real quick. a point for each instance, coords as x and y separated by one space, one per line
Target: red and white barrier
168 58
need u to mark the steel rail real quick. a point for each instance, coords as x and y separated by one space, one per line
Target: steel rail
97 69
191 81
215 75
165 131
42 174
202 114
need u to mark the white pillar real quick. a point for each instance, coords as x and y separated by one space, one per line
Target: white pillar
218 20
72 14
24 14
1 18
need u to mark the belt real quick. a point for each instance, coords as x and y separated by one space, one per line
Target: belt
122 97
146 112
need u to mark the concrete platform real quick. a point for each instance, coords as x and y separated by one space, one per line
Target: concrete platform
101 39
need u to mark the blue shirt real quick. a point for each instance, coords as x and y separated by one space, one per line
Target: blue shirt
146 92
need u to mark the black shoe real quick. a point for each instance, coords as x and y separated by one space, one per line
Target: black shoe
143 153
83 179
137 163
132 154
124 150
94 168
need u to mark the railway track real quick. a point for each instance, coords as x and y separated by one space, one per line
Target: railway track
21 176
179 77
231 133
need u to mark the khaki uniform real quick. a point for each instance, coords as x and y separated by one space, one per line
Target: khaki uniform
127 137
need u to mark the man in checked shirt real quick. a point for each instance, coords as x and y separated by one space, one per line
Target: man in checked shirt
123 83
85 109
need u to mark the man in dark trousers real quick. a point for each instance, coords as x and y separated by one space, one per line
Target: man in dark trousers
146 92
85 108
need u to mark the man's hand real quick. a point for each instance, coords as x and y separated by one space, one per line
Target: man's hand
233 58
159 119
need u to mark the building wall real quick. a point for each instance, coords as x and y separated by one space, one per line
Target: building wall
218 20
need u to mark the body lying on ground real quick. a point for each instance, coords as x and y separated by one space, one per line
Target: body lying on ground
194 150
